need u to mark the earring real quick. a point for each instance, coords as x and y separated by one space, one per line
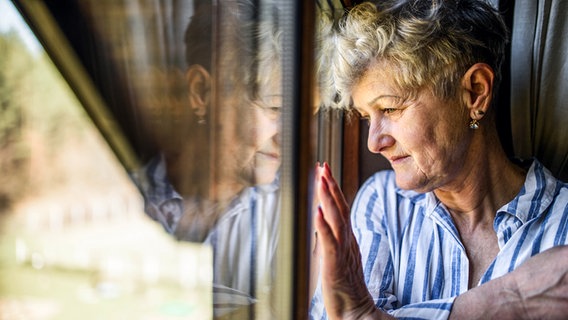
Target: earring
474 124
201 121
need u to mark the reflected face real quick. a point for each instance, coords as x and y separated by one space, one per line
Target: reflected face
266 134
424 138
249 132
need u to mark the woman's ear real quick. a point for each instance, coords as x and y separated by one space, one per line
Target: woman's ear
478 85
199 89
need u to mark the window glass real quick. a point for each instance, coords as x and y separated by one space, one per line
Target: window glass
74 241
189 97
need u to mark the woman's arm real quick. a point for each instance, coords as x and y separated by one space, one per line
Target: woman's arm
537 289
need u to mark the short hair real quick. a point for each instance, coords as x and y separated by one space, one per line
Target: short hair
249 31
428 43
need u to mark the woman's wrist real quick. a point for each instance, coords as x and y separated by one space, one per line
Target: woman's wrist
360 305
496 299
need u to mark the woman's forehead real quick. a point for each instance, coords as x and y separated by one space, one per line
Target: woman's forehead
377 78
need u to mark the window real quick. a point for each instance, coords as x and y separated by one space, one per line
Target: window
74 240
207 110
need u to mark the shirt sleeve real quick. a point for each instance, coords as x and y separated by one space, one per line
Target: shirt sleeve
433 309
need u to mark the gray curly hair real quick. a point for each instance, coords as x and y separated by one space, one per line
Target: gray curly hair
427 43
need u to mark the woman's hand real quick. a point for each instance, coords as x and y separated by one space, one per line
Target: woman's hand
345 294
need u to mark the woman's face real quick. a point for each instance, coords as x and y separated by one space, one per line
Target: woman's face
424 138
250 131
264 133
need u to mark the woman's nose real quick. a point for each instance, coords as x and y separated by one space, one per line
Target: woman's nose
378 139
269 125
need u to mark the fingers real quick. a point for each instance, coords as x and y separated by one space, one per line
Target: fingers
325 238
329 209
335 189
335 209
315 203
317 173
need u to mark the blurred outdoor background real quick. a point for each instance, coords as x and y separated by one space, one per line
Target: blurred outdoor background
74 241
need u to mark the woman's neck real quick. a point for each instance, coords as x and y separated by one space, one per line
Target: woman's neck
487 181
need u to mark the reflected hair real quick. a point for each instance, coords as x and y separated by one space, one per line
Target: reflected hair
259 44
249 41
426 43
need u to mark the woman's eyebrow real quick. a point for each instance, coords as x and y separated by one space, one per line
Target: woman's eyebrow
270 96
373 101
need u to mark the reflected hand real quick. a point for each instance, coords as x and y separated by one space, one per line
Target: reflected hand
345 294
315 255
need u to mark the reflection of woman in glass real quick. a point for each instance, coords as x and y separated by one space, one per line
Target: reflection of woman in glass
215 177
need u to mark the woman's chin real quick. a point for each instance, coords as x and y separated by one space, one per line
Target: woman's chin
411 182
265 174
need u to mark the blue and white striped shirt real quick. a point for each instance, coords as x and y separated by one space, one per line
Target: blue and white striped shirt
244 238
414 262
244 243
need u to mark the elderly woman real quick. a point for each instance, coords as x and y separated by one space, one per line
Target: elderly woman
451 230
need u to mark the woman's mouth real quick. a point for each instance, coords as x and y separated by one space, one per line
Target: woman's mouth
394 160
271 156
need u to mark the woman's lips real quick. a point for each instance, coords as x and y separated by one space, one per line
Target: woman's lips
269 155
398 159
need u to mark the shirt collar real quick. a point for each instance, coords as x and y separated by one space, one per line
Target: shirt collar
535 196
153 182
533 199
427 200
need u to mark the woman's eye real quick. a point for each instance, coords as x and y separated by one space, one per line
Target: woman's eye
389 110
274 109
272 112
